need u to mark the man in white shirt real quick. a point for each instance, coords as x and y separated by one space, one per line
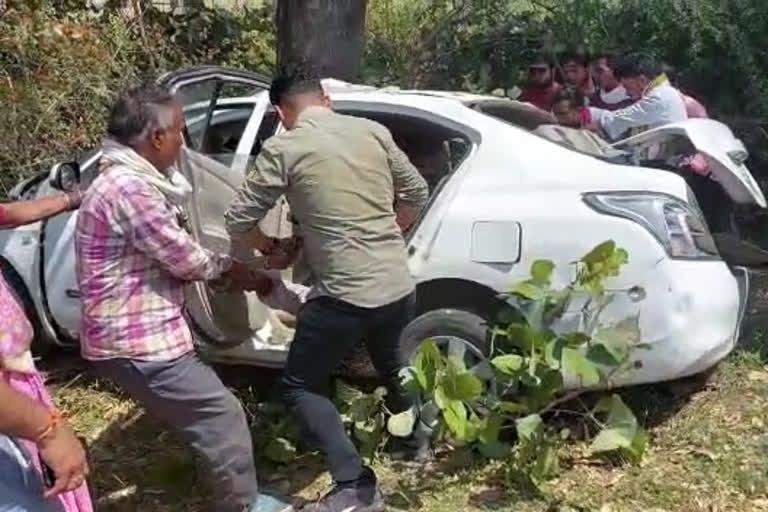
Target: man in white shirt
658 102
610 94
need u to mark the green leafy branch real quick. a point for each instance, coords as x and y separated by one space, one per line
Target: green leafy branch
533 364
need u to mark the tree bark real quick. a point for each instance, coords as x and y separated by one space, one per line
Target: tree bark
326 35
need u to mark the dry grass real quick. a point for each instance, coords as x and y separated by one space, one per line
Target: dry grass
709 440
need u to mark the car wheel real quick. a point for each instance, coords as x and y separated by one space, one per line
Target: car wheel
457 333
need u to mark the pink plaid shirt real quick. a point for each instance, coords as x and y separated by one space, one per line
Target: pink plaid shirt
133 260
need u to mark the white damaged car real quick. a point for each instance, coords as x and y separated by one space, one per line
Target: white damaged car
501 198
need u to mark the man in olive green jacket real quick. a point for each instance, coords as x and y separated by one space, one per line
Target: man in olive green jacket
351 189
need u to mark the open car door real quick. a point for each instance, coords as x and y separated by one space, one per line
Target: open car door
225 114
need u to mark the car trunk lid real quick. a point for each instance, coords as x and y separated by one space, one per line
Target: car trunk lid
724 152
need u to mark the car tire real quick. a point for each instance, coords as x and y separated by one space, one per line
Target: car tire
470 328
18 289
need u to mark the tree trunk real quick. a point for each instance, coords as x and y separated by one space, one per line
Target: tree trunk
326 35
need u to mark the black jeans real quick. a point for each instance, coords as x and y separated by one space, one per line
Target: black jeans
327 330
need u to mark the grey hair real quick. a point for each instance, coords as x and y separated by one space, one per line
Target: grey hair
140 111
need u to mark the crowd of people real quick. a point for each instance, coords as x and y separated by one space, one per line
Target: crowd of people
352 191
613 95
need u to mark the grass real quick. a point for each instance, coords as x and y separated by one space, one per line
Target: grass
708 445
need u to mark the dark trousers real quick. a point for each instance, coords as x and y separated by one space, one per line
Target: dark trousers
187 395
327 330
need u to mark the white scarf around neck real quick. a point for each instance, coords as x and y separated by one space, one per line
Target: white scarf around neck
175 188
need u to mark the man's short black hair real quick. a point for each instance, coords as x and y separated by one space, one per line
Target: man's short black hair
610 57
634 65
290 83
540 60
579 56
570 94
138 110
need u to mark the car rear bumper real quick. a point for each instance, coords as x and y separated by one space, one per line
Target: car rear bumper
691 319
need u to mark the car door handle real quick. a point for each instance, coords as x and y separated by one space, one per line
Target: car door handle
73 294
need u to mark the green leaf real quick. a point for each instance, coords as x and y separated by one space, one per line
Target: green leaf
401 425
553 353
370 432
547 462
521 336
280 450
455 416
575 339
600 253
529 426
599 354
491 428
639 446
576 364
511 407
508 364
364 407
461 386
541 272
528 290
427 363
440 399
550 383
557 305
621 432
346 393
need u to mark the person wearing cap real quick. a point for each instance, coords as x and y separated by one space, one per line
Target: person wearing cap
541 86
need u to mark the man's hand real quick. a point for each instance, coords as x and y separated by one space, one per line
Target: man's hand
64 454
284 253
256 239
242 276
406 215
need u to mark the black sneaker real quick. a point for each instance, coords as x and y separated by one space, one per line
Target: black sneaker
361 496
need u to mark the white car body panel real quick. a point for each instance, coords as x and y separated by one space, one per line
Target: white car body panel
511 179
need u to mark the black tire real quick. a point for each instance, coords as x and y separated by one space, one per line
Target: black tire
40 344
458 323
440 322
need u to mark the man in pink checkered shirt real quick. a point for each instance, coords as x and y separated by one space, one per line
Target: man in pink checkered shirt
133 261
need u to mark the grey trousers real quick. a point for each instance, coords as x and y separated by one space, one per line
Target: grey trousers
187 394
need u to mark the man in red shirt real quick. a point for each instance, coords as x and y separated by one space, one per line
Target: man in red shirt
541 87
576 70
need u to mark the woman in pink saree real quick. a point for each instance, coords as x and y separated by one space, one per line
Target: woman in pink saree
35 440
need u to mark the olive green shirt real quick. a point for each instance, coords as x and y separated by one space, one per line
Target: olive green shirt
341 176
